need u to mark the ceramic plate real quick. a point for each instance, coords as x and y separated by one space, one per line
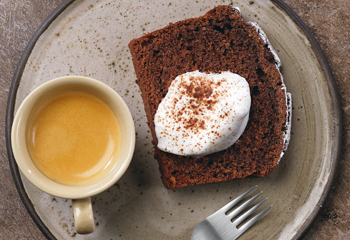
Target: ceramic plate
90 38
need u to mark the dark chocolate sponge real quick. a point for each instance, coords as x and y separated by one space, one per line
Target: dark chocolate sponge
218 41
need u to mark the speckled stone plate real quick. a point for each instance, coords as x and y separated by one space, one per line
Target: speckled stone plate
90 38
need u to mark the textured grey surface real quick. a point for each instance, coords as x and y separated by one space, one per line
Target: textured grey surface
327 20
18 22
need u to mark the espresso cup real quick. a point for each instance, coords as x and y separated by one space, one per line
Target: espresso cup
79 192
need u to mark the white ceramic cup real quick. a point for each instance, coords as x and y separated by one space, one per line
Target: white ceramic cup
80 193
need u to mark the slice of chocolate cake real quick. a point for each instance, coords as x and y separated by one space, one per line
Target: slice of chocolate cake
217 42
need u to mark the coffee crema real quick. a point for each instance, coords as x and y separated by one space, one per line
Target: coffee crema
73 137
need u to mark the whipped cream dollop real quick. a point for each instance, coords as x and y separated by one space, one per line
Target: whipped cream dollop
202 113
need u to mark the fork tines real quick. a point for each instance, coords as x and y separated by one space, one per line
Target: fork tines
222 212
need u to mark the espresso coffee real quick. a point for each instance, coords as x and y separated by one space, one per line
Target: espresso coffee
74 137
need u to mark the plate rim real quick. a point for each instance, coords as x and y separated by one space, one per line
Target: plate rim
10 116
337 114
332 87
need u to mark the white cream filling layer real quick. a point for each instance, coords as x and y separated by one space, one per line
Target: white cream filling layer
287 131
263 36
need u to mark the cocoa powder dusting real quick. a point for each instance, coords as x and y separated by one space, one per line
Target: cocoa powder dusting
200 92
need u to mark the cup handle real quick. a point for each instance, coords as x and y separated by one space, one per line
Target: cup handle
83 216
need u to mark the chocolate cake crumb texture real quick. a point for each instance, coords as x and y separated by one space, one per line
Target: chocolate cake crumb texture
216 42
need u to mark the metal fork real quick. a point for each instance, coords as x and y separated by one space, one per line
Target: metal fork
219 226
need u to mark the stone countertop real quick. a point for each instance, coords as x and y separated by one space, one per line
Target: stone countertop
328 20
